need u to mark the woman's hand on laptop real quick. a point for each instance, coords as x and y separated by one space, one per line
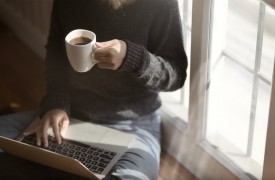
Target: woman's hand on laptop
56 119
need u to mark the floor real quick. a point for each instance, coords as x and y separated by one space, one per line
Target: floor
22 85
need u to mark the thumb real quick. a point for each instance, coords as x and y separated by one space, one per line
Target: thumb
29 131
104 44
32 128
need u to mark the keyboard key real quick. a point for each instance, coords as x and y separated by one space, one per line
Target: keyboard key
84 150
105 161
100 150
83 154
99 170
88 161
90 157
90 151
101 165
72 151
96 158
113 153
94 168
94 163
106 152
106 156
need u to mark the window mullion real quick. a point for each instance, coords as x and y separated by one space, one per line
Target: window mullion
256 78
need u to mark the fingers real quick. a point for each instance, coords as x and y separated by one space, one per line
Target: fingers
105 44
44 130
29 131
107 53
110 54
101 59
56 119
106 59
32 127
55 127
38 138
60 129
64 127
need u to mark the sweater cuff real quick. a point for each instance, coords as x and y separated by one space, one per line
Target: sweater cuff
59 101
133 57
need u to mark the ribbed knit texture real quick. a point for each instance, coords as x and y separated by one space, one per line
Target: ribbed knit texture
155 59
133 56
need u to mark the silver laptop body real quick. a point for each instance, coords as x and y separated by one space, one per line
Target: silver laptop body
88 149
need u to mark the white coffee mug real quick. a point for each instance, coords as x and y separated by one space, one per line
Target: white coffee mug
80 44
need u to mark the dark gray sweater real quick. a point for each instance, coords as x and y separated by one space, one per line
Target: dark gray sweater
155 59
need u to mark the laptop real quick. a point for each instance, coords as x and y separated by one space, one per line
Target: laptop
88 150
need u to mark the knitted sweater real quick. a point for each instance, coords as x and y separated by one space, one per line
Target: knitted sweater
155 59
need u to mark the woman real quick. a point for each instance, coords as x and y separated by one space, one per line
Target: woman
139 52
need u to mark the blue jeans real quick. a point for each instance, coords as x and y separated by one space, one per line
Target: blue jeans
140 161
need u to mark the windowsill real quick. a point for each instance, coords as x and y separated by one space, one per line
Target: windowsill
173 107
234 161
174 130
171 118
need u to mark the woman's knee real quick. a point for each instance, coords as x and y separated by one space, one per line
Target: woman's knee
12 125
139 162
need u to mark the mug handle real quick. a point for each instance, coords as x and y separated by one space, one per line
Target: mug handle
94 61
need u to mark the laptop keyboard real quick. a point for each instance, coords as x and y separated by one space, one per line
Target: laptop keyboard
94 158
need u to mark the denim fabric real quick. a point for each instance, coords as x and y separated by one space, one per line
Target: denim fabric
12 125
140 161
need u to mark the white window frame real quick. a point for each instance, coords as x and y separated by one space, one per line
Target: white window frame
193 151
269 160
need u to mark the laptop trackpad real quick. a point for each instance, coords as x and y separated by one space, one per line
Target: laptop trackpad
89 133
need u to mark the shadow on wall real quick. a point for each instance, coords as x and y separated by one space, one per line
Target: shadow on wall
28 18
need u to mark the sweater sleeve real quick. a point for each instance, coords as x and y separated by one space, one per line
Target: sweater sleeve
162 65
56 75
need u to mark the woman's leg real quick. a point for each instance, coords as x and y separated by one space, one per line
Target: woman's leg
141 160
12 125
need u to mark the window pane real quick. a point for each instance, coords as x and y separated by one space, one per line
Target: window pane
186 12
228 111
240 73
268 44
261 120
242 24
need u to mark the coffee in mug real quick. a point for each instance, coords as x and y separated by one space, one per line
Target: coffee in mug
80 44
80 41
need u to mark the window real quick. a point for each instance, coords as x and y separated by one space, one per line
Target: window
240 74
177 102
230 80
